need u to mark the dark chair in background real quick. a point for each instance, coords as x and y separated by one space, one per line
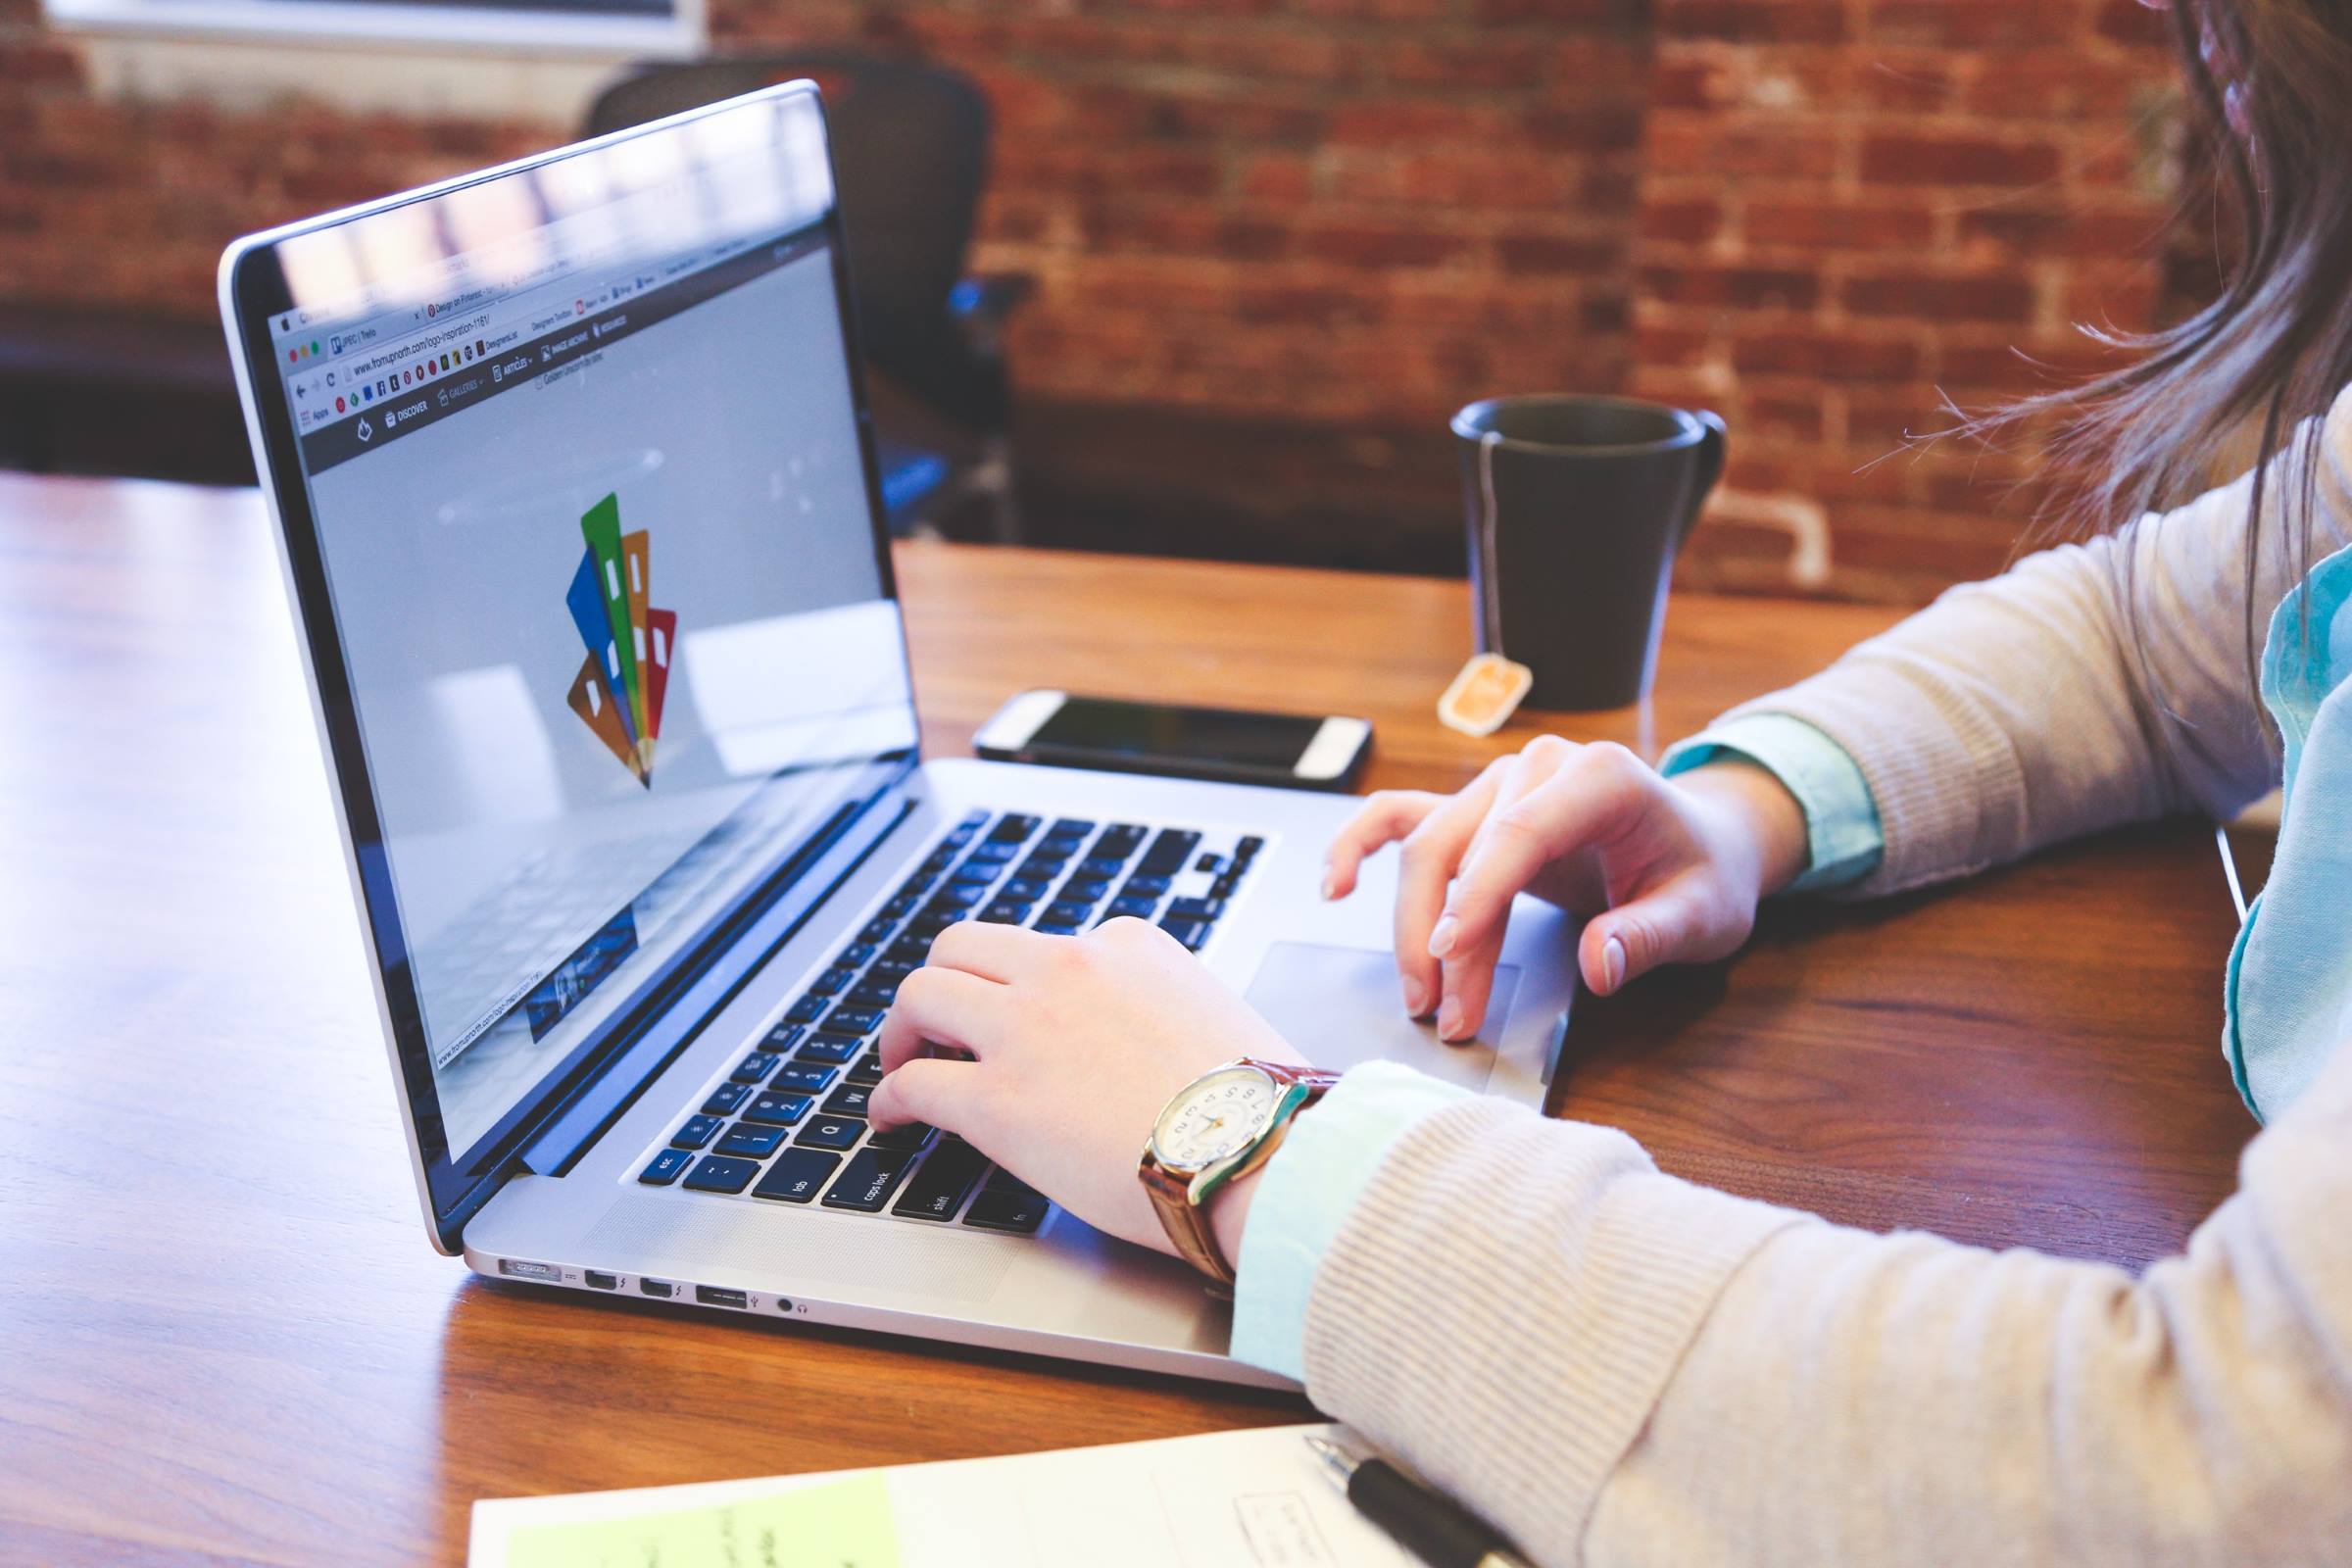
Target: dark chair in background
910 150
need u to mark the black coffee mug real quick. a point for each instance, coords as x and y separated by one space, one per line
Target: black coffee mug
1577 507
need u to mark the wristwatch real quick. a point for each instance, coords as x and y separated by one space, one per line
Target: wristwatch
1221 1126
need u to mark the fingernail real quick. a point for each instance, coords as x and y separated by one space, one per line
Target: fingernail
1450 1019
1612 962
1416 997
1330 884
1441 940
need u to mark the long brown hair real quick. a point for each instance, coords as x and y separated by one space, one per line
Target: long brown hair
2271 85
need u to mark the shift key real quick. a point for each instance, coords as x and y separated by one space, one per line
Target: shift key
938 1188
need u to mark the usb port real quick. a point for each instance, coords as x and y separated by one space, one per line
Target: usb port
658 1288
603 1282
714 1295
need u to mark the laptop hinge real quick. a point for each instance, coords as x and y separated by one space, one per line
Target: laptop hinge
565 1137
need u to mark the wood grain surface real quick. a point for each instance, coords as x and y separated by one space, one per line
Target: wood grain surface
224 1336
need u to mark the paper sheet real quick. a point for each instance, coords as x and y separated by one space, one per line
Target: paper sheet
1231 1499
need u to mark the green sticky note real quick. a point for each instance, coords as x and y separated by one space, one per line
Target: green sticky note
841 1524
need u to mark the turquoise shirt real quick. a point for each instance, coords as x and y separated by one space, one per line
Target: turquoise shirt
2289 992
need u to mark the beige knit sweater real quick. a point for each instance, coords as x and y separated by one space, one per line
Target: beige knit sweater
1622 1367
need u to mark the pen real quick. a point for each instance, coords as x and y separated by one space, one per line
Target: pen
1434 1528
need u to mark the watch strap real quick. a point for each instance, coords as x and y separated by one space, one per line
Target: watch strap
1179 1196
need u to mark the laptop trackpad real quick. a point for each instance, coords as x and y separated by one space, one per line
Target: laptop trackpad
1341 1005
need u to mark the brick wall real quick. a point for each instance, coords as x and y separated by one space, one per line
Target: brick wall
1359 214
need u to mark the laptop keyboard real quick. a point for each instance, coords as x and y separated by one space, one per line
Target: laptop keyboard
789 1123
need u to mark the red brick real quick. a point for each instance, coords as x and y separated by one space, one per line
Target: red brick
1689 144
1825 353
1929 159
1754 21
26 62
1557 254
1599 14
1740 287
1370 245
2062 231
1974 24
1690 221
1991 296
1836 226
1468 64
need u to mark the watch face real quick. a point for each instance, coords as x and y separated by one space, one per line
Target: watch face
1216 1116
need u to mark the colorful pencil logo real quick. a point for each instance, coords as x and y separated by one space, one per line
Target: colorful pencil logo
618 689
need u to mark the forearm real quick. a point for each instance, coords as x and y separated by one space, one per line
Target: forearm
1617 1366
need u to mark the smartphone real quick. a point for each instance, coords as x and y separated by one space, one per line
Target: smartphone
1291 749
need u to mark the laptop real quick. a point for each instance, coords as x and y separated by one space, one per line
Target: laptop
576 495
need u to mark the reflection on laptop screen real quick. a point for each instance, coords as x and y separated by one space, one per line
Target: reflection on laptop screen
581 449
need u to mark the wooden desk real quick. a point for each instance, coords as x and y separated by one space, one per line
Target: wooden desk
224 1336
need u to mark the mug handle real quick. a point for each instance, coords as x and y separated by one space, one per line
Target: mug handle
1707 469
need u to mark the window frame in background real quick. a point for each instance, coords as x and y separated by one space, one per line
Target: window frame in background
602 28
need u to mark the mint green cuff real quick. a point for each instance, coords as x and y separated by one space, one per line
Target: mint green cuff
1306 1194
1842 819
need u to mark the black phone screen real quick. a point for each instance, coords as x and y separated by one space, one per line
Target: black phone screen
1271 742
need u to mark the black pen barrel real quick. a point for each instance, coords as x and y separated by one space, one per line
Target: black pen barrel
1433 1527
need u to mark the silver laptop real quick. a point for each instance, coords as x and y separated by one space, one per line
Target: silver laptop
579 512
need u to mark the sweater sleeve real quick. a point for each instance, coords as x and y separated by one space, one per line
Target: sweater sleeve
1619 1367
2090 685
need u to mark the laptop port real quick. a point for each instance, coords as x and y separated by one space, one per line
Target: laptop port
783 1305
516 1268
603 1282
715 1296
658 1288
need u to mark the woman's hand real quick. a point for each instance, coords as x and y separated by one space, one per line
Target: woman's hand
1670 870
1075 1045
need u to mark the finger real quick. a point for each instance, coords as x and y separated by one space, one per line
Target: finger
930 1088
1383 819
984 948
1589 801
1629 940
940 1006
1466 971
1426 864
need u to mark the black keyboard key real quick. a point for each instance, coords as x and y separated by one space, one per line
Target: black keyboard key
1209 861
832 980
782 1038
1022 890
1042 867
897 909
1144 887
808 1010
866 1069
797 1175
853 1021
751 1143
849 1100
829 1051
1012 829
1089 889
1071 915
1098 868
1246 851
1015 1210
983 852
779 1109
725 1097
755 1067
941 1182
1121 838
877 930
1191 933
873 1175
1129 904
924 927
1003 913
1169 850
1069 828
856 953
830 1132
908 951
875 997
956 895
914 1134
806 1078
1197 909
1002 1180
665 1168
715 1173
696 1133
980 872
1053 928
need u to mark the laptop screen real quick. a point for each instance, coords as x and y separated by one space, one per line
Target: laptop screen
583 456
